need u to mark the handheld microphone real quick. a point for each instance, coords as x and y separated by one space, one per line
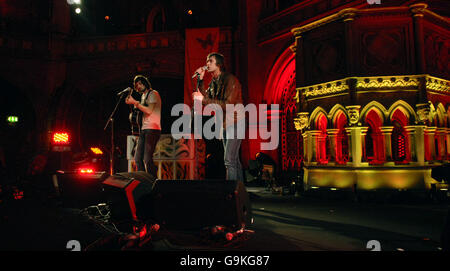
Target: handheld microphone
197 74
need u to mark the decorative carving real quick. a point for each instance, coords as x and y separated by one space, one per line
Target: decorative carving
437 84
423 112
388 82
353 114
301 122
324 89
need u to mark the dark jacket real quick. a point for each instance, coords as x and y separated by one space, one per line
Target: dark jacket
222 91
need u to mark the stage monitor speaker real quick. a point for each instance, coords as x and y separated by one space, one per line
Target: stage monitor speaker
79 191
128 195
196 204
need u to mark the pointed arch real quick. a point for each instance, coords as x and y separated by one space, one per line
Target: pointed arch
280 89
282 73
374 143
405 108
334 113
378 108
315 115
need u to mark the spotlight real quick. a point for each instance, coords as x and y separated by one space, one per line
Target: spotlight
107 18
190 12
78 10
72 2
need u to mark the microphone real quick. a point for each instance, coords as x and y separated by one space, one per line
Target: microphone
124 91
197 74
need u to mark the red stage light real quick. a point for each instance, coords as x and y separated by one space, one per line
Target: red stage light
96 150
86 171
61 138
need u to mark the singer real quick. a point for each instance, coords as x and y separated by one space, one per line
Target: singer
150 132
224 89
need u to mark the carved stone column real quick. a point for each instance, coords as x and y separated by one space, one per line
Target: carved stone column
417 11
411 153
386 131
429 133
332 137
356 136
441 134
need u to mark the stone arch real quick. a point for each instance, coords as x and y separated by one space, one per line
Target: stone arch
335 112
379 109
280 89
374 143
405 108
313 120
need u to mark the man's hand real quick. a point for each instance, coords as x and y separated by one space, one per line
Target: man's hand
201 72
130 100
197 95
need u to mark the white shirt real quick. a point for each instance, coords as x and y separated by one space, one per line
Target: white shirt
152 121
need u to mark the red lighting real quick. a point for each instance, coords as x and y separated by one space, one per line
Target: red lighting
86 171
61 138
96 150
107 18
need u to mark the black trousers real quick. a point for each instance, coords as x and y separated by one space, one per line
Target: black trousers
144 151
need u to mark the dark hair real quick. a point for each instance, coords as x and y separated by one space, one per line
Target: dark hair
143 80
220 60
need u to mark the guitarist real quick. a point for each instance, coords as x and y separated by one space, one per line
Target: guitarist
150 128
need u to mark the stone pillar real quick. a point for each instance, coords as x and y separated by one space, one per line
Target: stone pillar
356 136
313 143
417 11
419 140
322 148
441 137
332 137
411 152
307 151
386 131
429 138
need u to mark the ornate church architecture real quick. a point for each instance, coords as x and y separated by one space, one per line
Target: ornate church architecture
373 98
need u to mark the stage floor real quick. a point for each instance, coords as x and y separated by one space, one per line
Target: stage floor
281 223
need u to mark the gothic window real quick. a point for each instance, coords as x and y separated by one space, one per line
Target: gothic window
374 145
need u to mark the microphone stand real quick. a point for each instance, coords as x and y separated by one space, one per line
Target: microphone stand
111 120
196 170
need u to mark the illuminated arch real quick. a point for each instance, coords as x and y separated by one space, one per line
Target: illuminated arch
377 107
374 143
281 74
405 108
280 89
335 112
315 116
